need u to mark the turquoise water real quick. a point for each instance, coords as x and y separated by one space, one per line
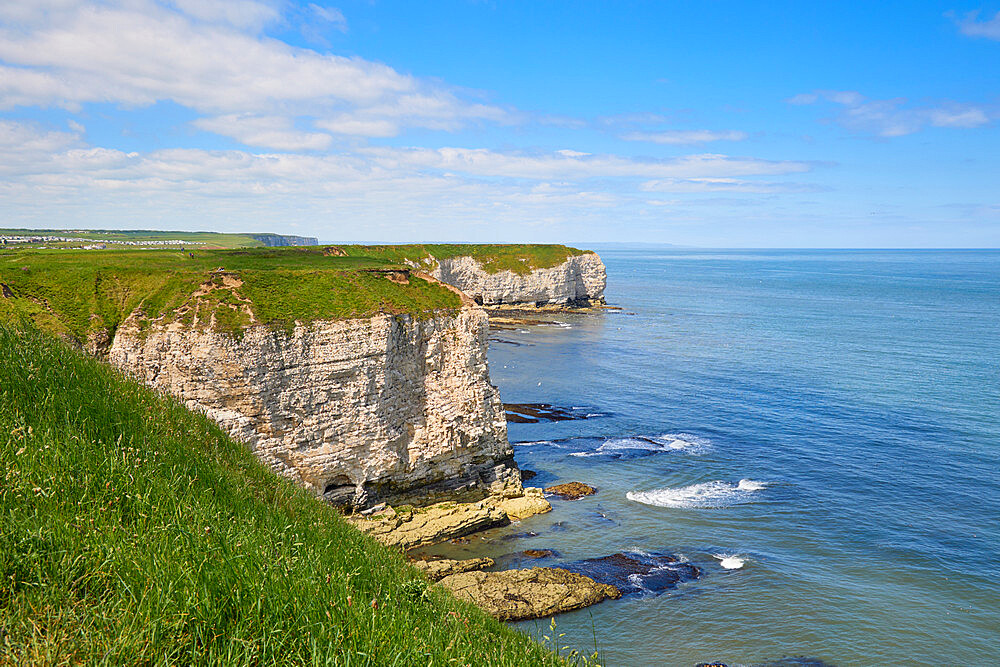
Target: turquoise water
830 418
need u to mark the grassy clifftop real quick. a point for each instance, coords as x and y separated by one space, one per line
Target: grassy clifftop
76 293
89 293
520 258
133 531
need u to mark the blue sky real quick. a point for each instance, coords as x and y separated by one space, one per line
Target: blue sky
727 124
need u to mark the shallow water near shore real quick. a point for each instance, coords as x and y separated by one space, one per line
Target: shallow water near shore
817 431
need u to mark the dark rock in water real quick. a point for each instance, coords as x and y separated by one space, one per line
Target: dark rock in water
571 490
527 474
559 527
507 342
532 413
602 517
538 553
518 536
635 572
711 664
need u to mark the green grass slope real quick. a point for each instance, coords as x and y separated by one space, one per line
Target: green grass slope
133 531
75 293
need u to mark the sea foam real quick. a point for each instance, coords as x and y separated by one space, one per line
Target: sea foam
707 494
730 562
642 445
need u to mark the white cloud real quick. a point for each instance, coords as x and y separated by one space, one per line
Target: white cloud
56 176
570 164
266 131
684 137
18 138
330 15
695 185
971 26
243 14
894 117
204 56
292 108
958 117
359 125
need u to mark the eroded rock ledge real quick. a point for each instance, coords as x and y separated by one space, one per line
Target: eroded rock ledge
407 527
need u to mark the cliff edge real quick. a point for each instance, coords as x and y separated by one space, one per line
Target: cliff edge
577 282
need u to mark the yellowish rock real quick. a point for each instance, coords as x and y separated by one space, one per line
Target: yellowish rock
444 567
513 595
414 527
532 501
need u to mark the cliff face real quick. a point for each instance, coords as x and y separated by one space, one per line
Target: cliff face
388 408
579 281
282 240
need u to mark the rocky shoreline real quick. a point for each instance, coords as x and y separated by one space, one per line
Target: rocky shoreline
518 593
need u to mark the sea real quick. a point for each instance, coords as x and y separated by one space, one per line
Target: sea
817 431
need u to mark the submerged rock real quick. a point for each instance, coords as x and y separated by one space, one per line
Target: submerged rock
509 537
571 490
532 413
513 595
635 572
445 567
538 553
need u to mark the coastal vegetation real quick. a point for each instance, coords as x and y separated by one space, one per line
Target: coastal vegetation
88 294
76 293
133 531
521 258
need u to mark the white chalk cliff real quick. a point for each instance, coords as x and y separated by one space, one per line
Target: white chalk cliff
578 281
364 410
394 408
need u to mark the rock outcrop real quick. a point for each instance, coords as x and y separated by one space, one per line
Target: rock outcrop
532 501
409 527
577 282
445 567
636 572
513 595
388 408
415 527
571 490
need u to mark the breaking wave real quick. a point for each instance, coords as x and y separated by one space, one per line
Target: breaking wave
730 562
642 445
705 495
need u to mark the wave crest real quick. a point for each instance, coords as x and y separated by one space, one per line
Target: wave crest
643 445
705 495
